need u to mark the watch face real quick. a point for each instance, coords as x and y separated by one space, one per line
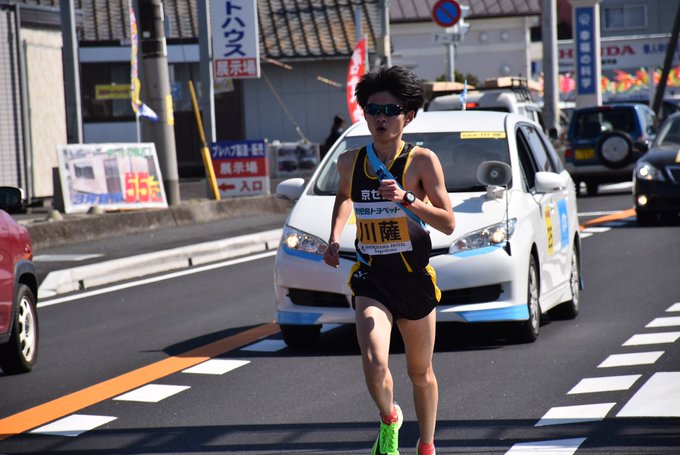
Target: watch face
410 197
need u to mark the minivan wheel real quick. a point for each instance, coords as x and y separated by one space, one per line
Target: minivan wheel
20 353
527 331
569 309
300 336
615 149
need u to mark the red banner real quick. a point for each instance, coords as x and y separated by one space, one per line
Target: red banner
357 68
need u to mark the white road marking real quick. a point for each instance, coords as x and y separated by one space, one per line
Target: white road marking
574 414
152 393
73 425
65 257
599 213
664 322
555 447
652 338
216 366
658 397
605 384
640 358
266 346
673 308
596 229
155 279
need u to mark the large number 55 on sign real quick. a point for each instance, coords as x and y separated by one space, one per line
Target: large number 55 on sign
235 42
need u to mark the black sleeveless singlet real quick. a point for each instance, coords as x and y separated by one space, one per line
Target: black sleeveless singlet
387 238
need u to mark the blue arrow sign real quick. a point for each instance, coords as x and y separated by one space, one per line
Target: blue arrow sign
446 13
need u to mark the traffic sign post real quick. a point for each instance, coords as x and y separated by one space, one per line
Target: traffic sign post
449 14
446 13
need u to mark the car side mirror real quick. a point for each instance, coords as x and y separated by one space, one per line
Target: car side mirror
11 199
547 182
290 189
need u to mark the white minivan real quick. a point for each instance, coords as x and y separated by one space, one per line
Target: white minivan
515 250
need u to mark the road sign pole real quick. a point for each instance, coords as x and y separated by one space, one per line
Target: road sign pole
450 62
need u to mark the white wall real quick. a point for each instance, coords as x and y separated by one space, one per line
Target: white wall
490 46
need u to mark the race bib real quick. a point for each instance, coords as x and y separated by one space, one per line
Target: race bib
382 228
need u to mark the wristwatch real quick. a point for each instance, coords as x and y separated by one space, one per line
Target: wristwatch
408 199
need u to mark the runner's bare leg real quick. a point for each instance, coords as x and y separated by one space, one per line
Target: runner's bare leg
374 328
419 339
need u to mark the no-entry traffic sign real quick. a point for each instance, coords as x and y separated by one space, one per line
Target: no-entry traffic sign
446 13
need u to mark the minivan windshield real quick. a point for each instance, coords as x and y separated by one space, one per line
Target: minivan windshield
459 156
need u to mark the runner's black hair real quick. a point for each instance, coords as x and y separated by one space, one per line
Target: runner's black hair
399 81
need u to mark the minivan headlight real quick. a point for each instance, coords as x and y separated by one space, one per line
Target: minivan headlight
646 171
298 240
496 234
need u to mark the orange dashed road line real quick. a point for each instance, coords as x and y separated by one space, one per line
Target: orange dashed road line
613 217
68 404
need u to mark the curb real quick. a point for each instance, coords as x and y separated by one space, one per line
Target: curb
80 228
107 272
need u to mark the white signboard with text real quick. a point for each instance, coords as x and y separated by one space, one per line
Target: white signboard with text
111 176
235 39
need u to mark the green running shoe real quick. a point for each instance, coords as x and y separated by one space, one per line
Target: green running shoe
388 438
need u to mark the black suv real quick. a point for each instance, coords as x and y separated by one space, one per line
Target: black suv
605 141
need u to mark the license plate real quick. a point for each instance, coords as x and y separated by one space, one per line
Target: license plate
585 154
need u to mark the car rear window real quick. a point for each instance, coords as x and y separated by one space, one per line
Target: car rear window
459 157
591 124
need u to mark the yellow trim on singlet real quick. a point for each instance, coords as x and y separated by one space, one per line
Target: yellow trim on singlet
354 165
433 276
354 268
408 266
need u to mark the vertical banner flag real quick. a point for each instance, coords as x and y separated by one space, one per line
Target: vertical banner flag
236 42
357 68
138 107
585 51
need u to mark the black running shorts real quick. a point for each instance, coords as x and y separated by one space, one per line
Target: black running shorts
406 295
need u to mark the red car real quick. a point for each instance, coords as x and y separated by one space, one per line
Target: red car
18 290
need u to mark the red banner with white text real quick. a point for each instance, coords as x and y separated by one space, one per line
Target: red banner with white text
357 68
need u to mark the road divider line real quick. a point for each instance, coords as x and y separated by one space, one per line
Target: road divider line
606 218
68 404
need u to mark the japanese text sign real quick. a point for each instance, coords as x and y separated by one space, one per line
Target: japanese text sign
585 51
236 45
241 167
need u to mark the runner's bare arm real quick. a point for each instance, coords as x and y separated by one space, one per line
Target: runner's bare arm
425 177
342 208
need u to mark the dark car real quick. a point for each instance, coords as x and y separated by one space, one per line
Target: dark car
18 290
605 141
656 181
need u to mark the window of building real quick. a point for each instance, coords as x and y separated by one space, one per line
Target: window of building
624 17
106 90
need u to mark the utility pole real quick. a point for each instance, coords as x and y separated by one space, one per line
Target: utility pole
207 101
74 119
668 61
384 46
156 86
551 107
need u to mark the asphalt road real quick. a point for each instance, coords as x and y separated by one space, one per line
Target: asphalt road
262 398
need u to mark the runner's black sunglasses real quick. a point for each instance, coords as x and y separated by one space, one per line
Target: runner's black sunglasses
390 110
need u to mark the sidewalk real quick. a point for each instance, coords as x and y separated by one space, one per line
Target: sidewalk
84 251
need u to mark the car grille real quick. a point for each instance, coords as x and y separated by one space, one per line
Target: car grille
674 172
304 297
479 294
